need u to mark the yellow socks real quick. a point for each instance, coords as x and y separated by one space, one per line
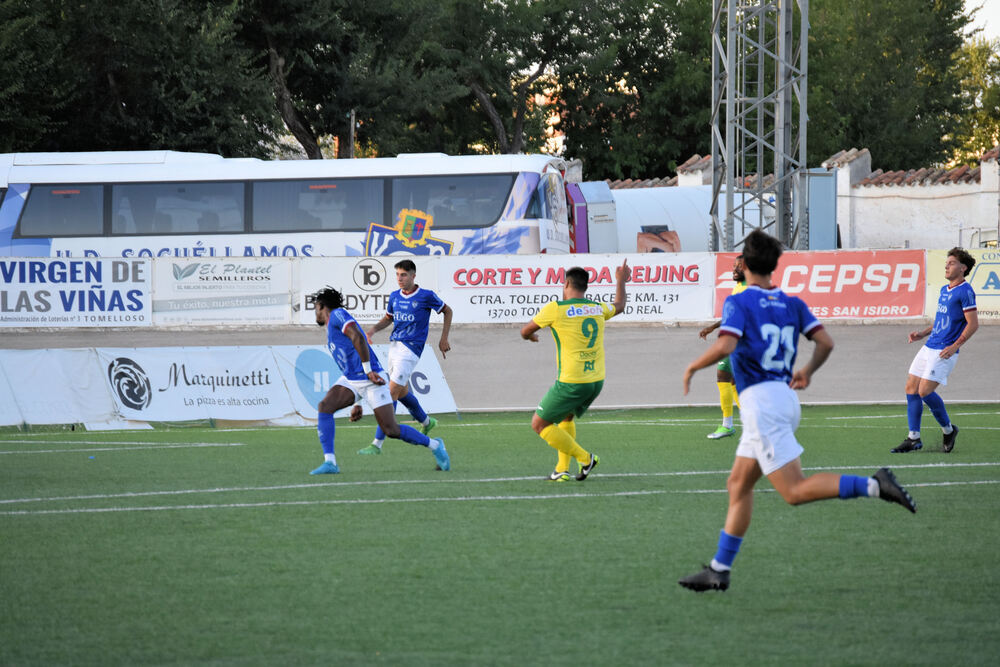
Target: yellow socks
560 439
562 464
726 394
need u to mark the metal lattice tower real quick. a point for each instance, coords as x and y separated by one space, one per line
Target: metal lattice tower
759 73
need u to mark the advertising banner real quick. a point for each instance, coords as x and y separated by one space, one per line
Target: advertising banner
984 279
365 282
231 290
309 371
512 288
844 283
184 383
64 292
52 387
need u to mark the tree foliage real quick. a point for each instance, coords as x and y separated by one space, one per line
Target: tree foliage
882 75
627 81
129 75
637 101
979 131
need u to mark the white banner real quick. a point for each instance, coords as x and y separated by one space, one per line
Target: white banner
511 288
309 371
179 384
64 292
53 387
101 387
365 282
232 290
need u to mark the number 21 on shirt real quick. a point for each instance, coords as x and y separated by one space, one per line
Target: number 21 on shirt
780 347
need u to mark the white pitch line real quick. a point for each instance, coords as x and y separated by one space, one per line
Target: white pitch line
384 501
350 501
975 482
483 480
189 445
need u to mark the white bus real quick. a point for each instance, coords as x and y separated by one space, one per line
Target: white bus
166 203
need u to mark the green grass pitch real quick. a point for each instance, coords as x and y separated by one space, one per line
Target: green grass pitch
216 547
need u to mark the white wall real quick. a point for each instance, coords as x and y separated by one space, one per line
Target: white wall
915 216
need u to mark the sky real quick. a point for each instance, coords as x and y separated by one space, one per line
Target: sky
987 18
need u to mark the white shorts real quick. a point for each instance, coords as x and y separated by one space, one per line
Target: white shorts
770 413
929 365
401 362
375 395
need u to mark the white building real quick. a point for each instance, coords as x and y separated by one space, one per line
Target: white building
922 208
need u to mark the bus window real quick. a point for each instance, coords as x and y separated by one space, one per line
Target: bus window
63 210
453 201
534 210
329 205
177 208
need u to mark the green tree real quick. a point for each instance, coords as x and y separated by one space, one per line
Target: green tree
637 101
979 68
130 75
325 58
883 75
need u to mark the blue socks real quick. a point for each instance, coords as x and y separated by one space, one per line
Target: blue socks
852 486
936 405
326 428
729 546
914 408
413 436
413 405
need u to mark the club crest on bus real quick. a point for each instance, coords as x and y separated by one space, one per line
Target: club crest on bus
411 234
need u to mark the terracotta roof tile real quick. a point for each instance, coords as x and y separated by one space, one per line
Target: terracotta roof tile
991 154
925 176
628 183
844 157
695 163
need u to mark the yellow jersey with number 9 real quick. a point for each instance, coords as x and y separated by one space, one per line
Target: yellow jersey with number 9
578 329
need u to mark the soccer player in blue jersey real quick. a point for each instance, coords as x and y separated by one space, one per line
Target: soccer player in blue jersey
362 379
760 332
409 311
955 322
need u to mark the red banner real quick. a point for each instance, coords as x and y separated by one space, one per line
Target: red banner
843 283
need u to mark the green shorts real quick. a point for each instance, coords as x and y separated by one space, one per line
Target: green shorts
565 398
725 366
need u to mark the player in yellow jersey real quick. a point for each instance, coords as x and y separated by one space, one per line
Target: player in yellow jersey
577 325
724 371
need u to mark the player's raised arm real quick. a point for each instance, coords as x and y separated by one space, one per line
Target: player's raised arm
622 275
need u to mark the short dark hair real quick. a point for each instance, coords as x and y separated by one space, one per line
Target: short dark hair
577 278
329 297
761 252
963 256
406 265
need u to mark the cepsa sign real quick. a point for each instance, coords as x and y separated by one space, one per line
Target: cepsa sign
512 288
843 283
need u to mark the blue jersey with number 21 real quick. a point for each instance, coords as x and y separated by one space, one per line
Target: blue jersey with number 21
767 324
